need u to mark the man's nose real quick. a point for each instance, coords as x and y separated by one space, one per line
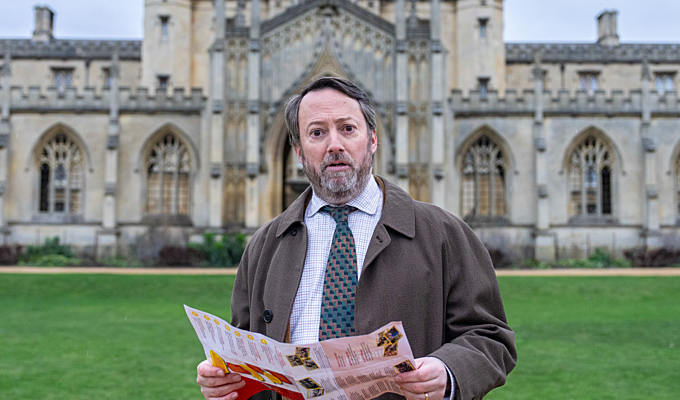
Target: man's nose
335 143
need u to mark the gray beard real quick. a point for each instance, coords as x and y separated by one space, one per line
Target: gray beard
338 187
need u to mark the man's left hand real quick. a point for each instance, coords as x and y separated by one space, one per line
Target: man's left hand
427 382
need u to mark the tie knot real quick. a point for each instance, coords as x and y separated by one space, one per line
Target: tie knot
339 214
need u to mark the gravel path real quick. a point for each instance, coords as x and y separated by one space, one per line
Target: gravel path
232 271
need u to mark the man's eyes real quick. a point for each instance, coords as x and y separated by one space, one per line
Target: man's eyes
344 129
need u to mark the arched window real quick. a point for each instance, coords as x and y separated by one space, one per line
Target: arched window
62 177
168 167
590 179
484 180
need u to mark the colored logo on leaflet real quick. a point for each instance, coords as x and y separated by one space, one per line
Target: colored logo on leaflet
388 341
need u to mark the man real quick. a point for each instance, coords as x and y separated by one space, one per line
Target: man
405 260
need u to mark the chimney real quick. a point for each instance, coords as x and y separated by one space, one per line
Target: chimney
606 28
44 23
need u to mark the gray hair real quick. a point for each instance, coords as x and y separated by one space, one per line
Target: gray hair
343 86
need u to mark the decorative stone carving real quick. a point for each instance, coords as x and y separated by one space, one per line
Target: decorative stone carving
112 142
540 144
649 144
652 193
402 171
215 170
110 189
252 170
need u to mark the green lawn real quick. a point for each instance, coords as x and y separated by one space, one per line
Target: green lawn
593 337
127 337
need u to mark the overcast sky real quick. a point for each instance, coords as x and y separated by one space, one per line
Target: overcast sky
525 20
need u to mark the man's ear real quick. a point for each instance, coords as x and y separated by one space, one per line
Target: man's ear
374 141
298 153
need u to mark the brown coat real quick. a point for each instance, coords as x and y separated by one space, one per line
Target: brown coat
423 267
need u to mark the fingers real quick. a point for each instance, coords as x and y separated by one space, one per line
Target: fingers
215 384
429 377
224 392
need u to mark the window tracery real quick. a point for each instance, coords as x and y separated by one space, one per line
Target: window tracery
484 185
61 176
590 179
168 166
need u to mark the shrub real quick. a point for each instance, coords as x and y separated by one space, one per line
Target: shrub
51 260
180 256
226 252
122 262
662 257
51 253
9 255
599 259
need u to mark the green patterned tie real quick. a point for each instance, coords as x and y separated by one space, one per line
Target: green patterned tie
340 282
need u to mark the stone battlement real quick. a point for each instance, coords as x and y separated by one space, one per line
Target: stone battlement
34 98
616 102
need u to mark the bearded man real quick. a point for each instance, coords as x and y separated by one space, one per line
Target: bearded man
355 252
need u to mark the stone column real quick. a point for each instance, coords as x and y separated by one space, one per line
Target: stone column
107 236
437 181
544 240
650 227
253 136
5 130
401 162
216 110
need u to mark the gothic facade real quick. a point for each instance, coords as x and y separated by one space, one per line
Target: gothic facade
547 150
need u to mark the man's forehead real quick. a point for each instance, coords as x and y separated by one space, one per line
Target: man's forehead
329 96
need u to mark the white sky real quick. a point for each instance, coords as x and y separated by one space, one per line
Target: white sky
525 20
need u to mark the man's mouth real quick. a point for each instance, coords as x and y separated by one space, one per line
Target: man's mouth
336 166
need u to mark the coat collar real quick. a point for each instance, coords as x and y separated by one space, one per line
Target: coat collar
398 212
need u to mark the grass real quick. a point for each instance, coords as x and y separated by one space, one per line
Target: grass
593 337
103 336
127 337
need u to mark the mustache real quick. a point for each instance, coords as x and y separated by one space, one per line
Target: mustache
335 158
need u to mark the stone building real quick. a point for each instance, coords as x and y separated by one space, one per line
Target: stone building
547 149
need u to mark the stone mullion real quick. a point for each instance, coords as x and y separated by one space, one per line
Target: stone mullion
67 188
402 96
161 177
51 184
175 188
253 121
584 182
598 187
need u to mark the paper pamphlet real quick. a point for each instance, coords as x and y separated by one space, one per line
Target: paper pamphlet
350 368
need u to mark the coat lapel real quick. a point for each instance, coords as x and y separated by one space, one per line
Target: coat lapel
397 215
286 266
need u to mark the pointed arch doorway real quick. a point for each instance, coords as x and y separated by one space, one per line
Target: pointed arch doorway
286 180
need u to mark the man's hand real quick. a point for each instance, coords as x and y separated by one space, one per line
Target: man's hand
430 377
215 384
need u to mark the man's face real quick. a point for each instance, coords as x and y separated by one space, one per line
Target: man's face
335 148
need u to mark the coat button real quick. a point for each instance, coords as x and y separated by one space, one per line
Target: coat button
267 316
293 231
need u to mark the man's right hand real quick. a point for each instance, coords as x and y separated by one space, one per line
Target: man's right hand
215 384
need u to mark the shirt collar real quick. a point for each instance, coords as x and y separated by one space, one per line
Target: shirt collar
367 201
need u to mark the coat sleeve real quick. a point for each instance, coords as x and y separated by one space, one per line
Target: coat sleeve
479 345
